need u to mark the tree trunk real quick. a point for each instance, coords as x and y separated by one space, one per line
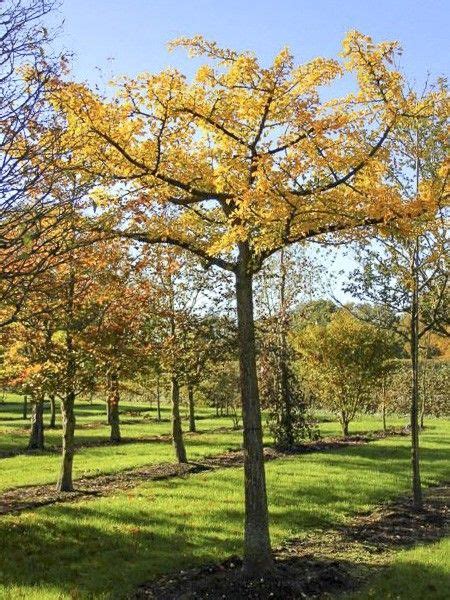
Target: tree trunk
344 423
192 428
158 399
65 483
177 432
257 550
52 423
286 417
25 407
415 457
113 404
36 441
383 406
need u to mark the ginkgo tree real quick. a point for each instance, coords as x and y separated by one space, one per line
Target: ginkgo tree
234 165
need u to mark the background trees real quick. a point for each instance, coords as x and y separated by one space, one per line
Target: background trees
344 362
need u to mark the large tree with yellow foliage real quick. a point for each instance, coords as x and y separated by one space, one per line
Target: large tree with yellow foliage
233 166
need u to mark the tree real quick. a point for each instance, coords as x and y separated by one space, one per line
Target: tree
28 145
279 290
234 166
344 363
117 339
406 271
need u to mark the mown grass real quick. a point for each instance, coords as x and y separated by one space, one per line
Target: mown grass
104 547
138 422
419 574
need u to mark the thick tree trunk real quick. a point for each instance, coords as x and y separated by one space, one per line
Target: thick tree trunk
415 457
177 432
113 403
25 407
52 423
257 550
36 441
65 483
192 428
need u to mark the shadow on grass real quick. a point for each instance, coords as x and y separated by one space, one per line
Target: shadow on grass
112 544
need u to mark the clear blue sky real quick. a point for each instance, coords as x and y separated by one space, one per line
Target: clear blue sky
134 32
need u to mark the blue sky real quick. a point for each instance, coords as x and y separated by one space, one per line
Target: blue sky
120 36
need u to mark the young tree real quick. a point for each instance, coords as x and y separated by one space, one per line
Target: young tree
406 270
235 165
279 290
344 363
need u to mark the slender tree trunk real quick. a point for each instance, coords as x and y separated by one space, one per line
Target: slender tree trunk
25 407
158 399
344 423
287 424
36 441
383 406
65 482
52 423
257 550
415 455
192 428
113 403
177 432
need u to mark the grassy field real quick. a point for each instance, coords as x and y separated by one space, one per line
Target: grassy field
103 548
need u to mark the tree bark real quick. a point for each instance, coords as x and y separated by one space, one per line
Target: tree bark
36 441
383 406
65 482
415 453
257 550
192 428
52 423
177 432
113 404
25 407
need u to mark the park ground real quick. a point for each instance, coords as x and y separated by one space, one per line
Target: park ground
107 545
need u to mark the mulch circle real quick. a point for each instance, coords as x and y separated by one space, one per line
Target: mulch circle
319 565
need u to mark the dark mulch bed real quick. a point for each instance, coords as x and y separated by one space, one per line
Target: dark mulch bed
31 497
319 565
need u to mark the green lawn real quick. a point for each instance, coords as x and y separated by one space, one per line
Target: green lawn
104 547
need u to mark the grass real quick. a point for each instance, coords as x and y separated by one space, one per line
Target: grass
103 548
417 574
